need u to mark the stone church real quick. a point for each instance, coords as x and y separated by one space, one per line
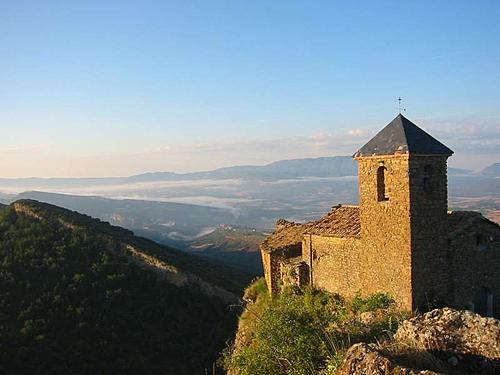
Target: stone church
400 240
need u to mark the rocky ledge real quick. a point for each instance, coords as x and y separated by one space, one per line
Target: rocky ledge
448 330
442 341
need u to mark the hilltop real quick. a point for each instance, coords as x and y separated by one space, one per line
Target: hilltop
492 170
192 228
78 295
167 222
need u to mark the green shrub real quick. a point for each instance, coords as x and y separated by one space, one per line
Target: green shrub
258 289
302 331
287 328
371 303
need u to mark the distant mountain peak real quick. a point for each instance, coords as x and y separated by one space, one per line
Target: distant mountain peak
493 170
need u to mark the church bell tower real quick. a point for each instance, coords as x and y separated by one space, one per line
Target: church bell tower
403 214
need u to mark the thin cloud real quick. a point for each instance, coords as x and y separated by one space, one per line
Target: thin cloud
476 144
20 149
357 132
466 135
465 138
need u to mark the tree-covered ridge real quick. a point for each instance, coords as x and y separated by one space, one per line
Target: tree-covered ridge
211 272
73 301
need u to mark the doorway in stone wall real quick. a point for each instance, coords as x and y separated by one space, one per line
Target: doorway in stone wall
483 302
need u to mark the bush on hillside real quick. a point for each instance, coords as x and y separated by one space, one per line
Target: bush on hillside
371 303
303 331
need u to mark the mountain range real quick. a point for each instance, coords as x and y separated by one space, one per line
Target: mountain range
335 166
223 214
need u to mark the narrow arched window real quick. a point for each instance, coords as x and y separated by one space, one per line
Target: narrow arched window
381 189
426 181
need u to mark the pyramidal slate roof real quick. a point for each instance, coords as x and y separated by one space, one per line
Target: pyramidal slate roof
401 136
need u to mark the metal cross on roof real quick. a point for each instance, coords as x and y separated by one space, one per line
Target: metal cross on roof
399 105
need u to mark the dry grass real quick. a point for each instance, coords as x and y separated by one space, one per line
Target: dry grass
412 356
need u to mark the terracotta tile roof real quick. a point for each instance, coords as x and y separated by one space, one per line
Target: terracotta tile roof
286 234
341 221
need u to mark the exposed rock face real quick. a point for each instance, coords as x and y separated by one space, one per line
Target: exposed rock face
453 331
440 341
362 359
176 276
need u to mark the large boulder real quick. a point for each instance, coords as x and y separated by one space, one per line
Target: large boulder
448 330
441 341
362 359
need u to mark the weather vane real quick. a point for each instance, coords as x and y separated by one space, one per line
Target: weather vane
399 106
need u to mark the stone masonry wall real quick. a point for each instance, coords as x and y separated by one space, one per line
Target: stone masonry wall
385 254
335 263
429 228
266 265
405 248
475 266
294 273
272 264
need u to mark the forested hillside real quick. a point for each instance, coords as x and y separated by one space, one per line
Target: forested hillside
80 296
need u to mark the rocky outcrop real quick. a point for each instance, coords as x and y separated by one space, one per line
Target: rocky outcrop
26 211
362 359
452 331
439 342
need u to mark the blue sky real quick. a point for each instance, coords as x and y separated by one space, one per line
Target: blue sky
95 88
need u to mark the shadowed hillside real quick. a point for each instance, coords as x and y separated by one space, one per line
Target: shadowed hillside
81 296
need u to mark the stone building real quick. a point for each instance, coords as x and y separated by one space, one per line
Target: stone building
400 240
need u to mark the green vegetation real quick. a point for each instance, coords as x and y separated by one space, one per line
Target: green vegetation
212 272
72 301
305 331
371 303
